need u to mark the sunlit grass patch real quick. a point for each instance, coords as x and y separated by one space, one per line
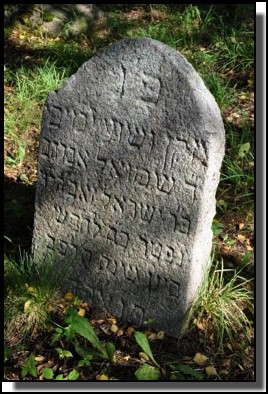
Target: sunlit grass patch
220 309
23 105
32 295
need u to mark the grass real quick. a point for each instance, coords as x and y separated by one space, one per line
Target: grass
220 307
237 178
37 63
24 103
32 295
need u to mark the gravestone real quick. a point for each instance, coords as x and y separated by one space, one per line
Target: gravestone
130 155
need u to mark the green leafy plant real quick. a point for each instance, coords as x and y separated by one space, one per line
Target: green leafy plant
73 375
48 374
85 354
7 354
185 372
143 342
228 242
147 372
29 367
190 20
217 228
63 353
80 325
243 149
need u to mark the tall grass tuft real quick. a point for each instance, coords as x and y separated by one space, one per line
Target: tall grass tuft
32 295
221 305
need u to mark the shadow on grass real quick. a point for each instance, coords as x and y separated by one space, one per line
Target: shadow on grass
70 53
62 54
18 216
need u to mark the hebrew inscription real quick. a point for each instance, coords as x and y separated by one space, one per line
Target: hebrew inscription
129 162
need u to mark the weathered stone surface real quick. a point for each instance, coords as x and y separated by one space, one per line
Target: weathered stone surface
130 154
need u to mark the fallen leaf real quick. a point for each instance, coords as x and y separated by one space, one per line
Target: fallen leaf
241 237
127 357
105 328
187 358
200 326
236 115
85 305
160 335
200 358
39 358
32 290
120 332
144 357
103 377
97 321
211 371
130 331
49 364
112 320
81 312
21 36
69 296
114 328
27 305
241 225
152 336
226 364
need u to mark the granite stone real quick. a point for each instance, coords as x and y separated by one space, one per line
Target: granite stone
130 154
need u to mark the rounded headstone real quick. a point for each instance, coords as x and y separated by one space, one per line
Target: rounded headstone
130 156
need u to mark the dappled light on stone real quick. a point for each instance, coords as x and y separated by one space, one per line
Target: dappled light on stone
130 155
